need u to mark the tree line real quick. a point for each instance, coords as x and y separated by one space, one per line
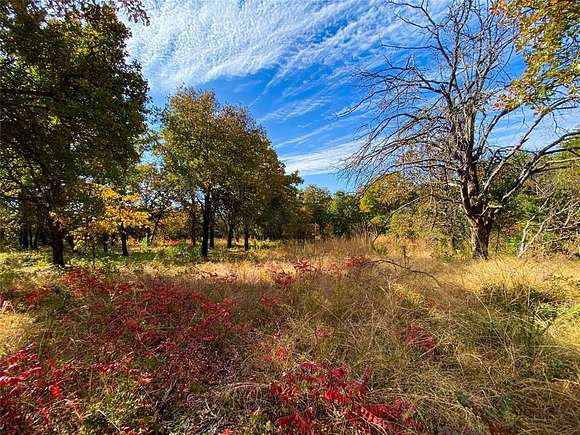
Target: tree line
82 165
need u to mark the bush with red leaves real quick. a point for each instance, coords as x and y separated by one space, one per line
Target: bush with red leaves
356 261
283 279
314 393
31 391
304 266
417 337
36 296
124 327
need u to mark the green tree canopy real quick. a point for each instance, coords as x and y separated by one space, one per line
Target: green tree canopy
72 105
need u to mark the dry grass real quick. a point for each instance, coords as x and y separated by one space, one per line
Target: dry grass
503 357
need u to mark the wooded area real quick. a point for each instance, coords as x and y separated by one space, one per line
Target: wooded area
175 245
75 135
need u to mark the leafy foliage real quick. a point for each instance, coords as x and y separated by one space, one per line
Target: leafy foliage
548 36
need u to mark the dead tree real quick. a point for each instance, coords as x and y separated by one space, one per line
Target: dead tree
440 106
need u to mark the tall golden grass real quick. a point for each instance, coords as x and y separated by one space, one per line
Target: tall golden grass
505 349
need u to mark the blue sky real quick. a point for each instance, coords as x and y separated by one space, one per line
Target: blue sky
292 62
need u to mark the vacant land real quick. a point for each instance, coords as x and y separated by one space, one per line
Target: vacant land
329 337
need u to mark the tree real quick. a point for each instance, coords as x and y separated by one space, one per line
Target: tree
71 106
77 8
221 155
384 196
280 203
194 148
106 212
316 200
299 224
446 113
250 172
547 33
548 209
344 213
157 191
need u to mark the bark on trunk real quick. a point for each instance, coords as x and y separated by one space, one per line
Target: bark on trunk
155 227
230 235
124 249
148 236
35 238
480 232
105 245
205 225
192 224
70 240
246 238
57 244
24 239
211 232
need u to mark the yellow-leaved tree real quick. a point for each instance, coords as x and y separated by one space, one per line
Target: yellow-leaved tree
107 214
548 36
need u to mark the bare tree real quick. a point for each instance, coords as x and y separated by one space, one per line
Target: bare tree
441 108
556 212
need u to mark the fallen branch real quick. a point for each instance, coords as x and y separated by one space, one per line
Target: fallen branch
394 263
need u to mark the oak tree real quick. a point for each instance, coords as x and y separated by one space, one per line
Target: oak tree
71 105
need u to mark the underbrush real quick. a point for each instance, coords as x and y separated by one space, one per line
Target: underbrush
322 338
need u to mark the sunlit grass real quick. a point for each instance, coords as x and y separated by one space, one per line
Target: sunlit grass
473 345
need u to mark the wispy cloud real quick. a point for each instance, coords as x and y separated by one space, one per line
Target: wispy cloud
296 108
194 42
304 137
322 161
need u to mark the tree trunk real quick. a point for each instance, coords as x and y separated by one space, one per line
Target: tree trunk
205 225
155 227
246 238
192 223
124 249
35 238
70 240
105 245
57 244
29 231
148 236
480 233
212 232
24 237
230 235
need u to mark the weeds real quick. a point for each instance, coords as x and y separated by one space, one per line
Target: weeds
273 343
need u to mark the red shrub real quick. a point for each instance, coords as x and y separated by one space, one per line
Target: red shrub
304 266
315 392
270 302
129 323
356 261
282 279
417 337
30 391
36 296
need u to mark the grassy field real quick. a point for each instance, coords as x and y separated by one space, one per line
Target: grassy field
329 337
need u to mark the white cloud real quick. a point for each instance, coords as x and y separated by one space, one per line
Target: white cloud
304 137
321 161
296 108
195 41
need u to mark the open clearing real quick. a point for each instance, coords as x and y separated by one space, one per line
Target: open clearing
318 338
